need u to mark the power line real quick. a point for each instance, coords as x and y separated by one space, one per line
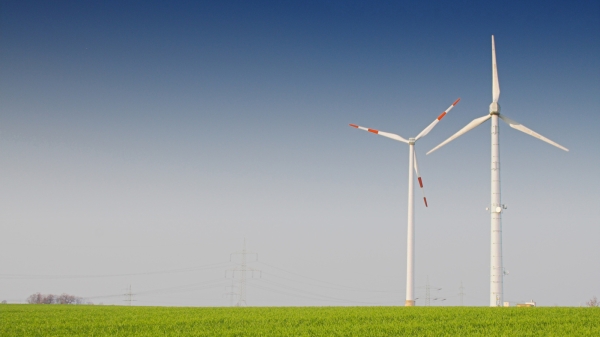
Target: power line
342 288
326 282
181 288
291 283
185 288
313 296
168 271
309 293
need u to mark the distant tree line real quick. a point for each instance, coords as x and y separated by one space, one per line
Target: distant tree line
39 298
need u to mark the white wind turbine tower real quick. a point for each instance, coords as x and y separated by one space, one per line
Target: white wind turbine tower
412 162
496 268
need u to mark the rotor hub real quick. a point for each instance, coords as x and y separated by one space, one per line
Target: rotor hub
494 108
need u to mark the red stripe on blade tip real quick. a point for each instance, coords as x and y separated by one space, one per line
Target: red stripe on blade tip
456 102
372 130
441 116
420 182
425 201
354 126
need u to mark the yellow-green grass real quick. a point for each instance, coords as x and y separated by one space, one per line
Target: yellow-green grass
71 320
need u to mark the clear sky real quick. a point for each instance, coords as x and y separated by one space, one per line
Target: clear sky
142 141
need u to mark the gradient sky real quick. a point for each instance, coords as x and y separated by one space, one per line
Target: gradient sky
142 141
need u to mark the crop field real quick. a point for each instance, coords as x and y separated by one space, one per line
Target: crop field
71 320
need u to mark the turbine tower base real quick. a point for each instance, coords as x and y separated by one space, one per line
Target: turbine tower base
409 303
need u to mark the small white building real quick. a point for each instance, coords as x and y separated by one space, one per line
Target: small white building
527 304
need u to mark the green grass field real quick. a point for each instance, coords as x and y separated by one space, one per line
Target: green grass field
71 320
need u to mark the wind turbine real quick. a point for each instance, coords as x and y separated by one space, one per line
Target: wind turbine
412 162
496 269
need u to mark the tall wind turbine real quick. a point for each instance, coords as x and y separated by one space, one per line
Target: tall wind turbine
412 162
496 268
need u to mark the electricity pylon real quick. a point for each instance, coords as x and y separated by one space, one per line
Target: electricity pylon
241 269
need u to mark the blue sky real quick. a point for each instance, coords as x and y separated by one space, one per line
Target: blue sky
151 136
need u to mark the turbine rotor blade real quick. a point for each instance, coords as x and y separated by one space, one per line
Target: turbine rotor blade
474 123
495 81
381 133
437 120
419 178
518 126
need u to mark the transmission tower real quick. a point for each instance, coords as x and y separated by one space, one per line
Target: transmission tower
231 293
427 293
129 296
461 293
241 269
428 289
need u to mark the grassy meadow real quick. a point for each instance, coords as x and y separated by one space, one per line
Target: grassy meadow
71 320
